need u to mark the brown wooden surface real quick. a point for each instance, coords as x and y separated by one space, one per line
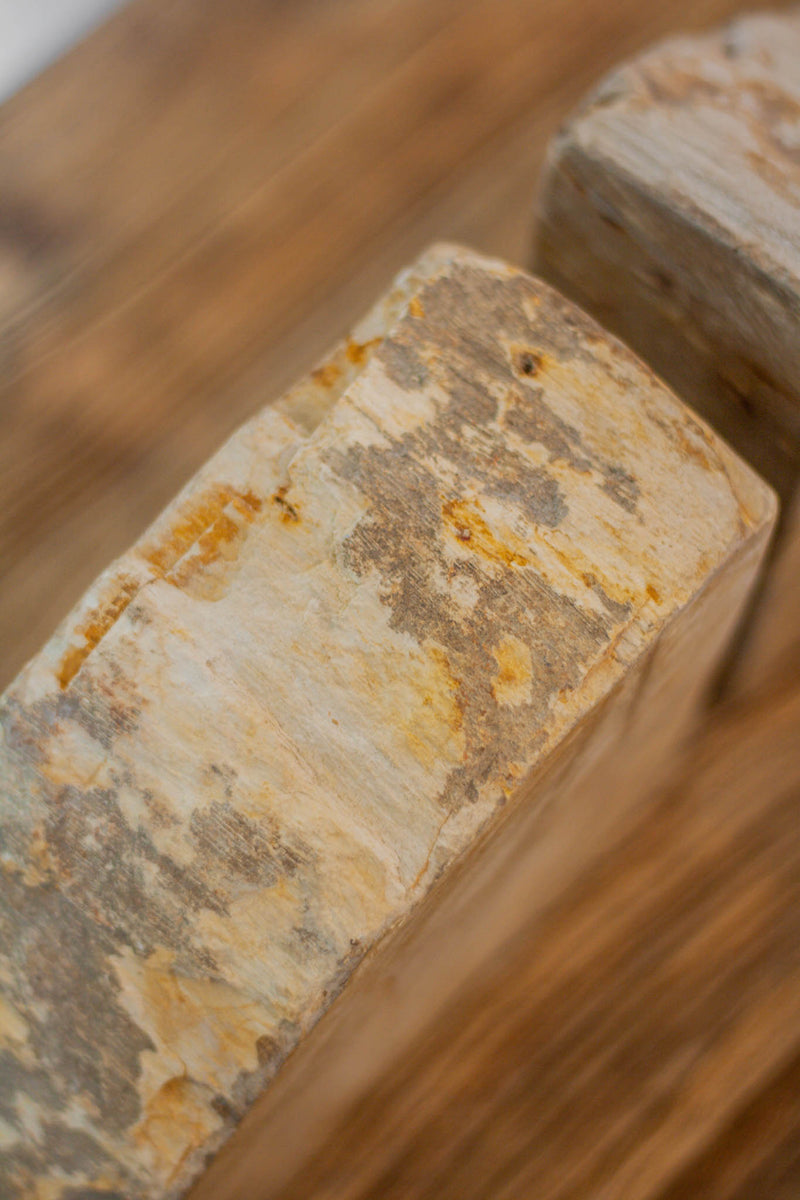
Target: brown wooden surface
195 203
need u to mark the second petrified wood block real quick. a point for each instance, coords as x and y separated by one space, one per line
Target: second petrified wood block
375 686
670 209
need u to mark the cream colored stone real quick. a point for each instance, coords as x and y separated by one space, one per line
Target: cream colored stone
474 551
669 210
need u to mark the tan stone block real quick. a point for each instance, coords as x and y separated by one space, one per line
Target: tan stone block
383 678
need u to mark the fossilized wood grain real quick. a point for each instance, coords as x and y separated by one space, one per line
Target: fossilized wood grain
340 658
671 210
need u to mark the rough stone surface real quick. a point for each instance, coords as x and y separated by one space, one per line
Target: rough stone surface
670 209
268 729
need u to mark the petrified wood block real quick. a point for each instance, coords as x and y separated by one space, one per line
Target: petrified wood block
380 680
670 209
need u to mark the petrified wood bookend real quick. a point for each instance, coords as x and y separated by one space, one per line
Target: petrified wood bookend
670 209
386 673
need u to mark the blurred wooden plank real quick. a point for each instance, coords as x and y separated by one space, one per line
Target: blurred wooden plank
757 1155
182 224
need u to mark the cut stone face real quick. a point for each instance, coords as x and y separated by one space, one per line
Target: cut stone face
480 539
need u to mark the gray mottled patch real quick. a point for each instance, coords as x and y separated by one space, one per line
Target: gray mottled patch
529 416
403 536
615 609
234 847
621 487
403 365
66 991
470 359
115 891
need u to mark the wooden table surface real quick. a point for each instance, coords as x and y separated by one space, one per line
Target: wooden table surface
195 202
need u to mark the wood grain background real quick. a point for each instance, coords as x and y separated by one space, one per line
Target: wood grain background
194 203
